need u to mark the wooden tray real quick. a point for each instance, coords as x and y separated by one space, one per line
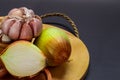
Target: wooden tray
77 65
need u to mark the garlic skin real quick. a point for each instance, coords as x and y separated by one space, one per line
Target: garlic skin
55 45
21 12
22 59
4 38
21 24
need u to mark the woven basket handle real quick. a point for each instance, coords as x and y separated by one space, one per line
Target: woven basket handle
65 17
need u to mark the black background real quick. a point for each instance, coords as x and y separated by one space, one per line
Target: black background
98 22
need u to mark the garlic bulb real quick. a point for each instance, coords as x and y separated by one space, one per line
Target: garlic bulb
55 45
21 23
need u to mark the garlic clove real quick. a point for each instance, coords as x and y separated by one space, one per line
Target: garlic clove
15 30
22 59
36 26
55 44
26 32
6 25
0 32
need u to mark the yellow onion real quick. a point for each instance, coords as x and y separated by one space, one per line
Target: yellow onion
55 45
22 59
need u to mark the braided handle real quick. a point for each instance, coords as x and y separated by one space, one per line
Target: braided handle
65 17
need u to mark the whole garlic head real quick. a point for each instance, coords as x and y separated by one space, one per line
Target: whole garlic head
21 23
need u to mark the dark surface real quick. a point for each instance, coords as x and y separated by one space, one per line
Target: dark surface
98 22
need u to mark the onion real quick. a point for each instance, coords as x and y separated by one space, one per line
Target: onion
55 45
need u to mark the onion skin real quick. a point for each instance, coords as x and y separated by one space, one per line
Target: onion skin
3 71
43 75
48 74
55 45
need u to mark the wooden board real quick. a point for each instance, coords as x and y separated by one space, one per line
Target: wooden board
78 63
